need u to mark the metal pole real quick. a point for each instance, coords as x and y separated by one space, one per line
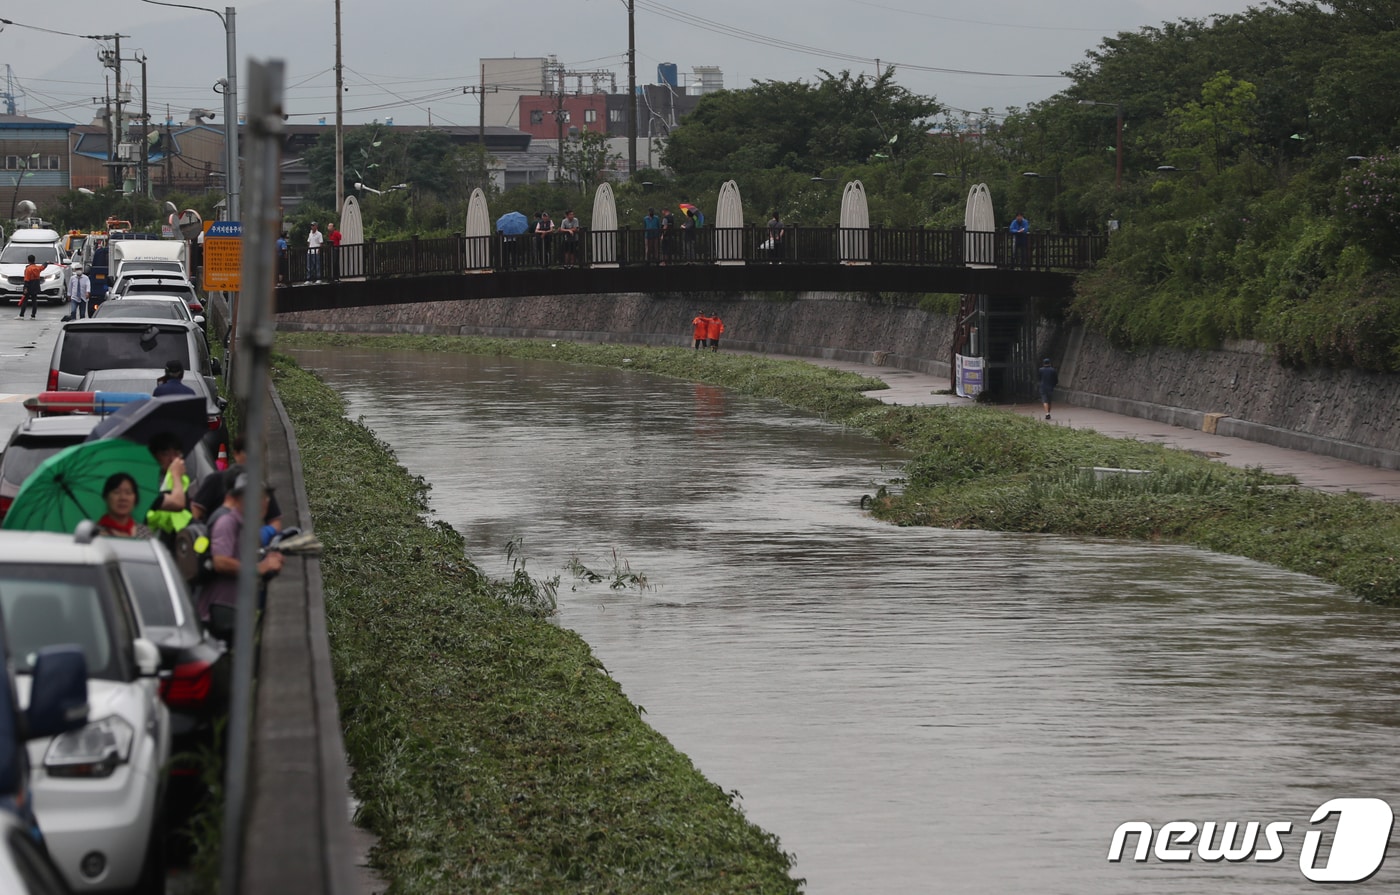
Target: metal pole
339 120
631 88
232 181
145 184
265 127
117 132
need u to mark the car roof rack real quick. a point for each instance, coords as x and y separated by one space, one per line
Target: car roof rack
102 403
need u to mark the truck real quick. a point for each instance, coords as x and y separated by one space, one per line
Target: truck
166 255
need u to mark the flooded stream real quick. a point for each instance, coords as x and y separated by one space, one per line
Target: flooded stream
909 710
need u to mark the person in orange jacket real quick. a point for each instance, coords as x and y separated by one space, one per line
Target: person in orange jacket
715 328
701 323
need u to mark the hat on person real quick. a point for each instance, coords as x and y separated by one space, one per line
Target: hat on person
77 268
313 223
1046 361
174 370
240 484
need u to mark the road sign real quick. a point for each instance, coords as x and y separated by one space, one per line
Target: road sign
223 256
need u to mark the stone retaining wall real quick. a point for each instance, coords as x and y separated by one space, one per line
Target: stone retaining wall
1347 414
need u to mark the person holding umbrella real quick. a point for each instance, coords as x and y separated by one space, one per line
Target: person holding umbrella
509 226
121 494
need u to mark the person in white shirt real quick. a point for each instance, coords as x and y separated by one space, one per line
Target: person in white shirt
314 241
79 288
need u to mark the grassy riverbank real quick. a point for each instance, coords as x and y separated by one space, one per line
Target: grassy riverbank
492 751
977 467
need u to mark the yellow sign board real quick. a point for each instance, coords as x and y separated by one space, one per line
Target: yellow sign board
223 257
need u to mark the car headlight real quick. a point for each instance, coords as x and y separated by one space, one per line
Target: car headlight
53 277
91 751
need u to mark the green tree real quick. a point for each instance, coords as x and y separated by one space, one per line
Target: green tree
1220 123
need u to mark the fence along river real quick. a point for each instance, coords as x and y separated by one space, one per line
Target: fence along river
907 709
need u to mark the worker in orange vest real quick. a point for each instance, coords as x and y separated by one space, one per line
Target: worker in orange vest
715 328
702 330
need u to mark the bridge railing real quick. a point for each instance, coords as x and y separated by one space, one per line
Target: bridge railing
914 246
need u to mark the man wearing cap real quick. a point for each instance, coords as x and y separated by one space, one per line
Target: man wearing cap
79 289
1049 378
314 241
172 382
225 529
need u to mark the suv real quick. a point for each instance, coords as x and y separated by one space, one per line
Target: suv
34 441
98 791
97 344
47 248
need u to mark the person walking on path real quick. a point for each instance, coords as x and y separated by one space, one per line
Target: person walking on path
314 241
1020 237
79 288
701 325
651 233
1049 378
714 330
33 273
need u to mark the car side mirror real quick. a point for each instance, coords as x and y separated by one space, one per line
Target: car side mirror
58 696
215 367
199 318
147 657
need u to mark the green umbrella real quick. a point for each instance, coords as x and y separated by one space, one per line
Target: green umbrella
67 487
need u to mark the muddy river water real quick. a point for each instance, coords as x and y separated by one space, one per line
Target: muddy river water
908 710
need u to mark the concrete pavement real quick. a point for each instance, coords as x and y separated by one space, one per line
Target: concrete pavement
910 388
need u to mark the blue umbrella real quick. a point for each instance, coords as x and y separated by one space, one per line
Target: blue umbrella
512 223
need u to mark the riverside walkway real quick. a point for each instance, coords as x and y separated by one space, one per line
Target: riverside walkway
911 388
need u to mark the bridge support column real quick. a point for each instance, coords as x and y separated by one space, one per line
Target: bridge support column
1005 326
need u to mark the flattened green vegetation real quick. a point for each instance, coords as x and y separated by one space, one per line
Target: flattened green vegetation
492 752
977 467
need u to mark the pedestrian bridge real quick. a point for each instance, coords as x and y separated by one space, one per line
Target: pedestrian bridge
508 260
732 261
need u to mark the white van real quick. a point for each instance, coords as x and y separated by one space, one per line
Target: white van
47 248
147 254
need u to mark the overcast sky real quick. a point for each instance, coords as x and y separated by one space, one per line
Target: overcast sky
409 59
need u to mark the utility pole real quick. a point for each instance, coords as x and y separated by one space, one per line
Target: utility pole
481 90
144 181
631 88
339 119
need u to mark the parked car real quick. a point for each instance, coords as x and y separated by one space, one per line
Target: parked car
25 867
47 248
97 344
162 283
34 441
145 380
159 305
98 790
57 420
57 704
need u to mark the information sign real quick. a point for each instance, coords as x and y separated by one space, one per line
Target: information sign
223 256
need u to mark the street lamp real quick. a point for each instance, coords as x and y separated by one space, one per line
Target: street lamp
1055 202
1118 178
230 92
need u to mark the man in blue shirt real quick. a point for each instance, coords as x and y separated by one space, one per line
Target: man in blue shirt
1020 227
651 231
170 383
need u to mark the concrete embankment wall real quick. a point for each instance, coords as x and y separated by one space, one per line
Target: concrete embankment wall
1240 390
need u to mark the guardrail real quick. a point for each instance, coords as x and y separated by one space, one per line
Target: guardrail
706 245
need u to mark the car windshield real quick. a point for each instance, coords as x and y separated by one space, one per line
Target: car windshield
151 593
25 455
19 252
48 605
158 286
115 381
94 348
131 307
